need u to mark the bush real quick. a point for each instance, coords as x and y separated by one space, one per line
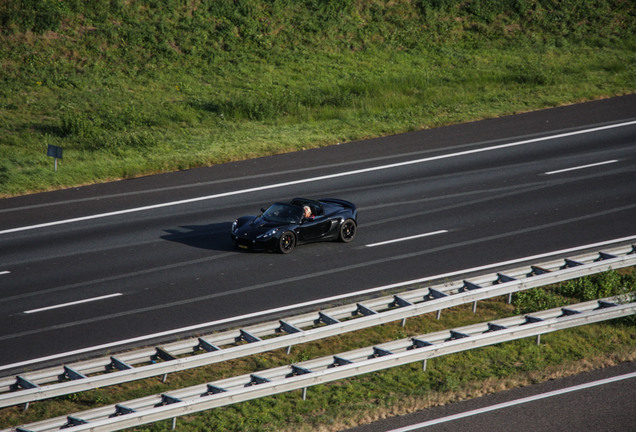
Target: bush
601 285
535 300
606 284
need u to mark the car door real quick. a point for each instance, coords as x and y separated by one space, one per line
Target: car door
313 229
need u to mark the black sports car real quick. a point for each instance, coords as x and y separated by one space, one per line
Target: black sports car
284 225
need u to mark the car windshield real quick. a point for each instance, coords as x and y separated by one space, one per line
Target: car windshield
283 213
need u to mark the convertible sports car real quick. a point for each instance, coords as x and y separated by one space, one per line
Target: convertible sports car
284 225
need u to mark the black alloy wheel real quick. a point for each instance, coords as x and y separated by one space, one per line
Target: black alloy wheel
286 242
347 231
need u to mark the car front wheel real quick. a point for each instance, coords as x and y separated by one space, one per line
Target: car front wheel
347 231
286 242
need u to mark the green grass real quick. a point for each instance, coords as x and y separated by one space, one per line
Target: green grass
399 390
138 87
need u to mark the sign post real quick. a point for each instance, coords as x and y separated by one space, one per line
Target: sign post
54 152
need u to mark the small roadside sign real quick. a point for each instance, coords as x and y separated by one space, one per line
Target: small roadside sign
54 152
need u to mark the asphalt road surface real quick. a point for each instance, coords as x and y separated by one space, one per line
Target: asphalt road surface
92 266
602 400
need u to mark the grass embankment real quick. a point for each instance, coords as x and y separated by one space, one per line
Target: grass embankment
129 88
338 405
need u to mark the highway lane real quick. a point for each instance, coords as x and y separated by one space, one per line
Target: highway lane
600 400
498 189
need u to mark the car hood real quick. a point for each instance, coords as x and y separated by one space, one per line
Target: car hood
256 227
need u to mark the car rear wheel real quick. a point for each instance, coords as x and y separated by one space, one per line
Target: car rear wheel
347 231
286 242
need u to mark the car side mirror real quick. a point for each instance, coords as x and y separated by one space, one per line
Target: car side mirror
262 210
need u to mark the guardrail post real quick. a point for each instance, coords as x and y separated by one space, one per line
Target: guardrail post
530 319
115 363
212 389
256 380
536 271
424 365
122 410
21 382
324 318
362 309
339 361
502 278
379 352
399 302
206 346
167 400
454 335
434 294
247 337
288 328
568 312
162 354
70 373
73 421
305 393
605 304
494 327
603 256
174 423
469 286
569 263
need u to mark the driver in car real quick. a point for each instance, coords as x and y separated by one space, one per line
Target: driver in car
307 213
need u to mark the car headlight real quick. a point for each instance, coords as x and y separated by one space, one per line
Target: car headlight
234 224
268 233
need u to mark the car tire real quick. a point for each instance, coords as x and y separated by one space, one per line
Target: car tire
347 231
286 242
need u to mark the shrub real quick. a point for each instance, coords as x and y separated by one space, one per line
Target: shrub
535 300
606 284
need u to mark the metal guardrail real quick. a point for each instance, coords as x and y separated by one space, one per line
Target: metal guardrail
327 369
80 376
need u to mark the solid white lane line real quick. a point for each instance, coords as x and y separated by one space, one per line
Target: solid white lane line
515 402
406 238
72 303
4 272
314 179
581 167
112 345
